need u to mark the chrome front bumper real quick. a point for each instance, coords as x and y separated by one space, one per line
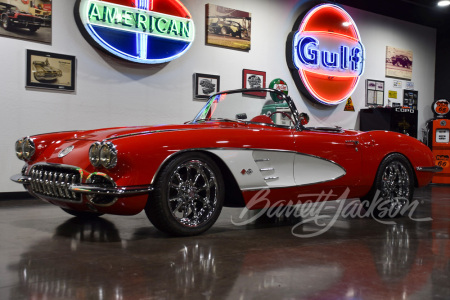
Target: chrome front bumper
92 189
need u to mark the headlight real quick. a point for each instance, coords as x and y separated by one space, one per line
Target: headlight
25 148
94 154
19 149
108 155
104 154
28 148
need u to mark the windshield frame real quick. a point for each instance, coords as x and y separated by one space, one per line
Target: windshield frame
294 112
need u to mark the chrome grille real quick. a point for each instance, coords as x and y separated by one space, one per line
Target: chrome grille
54 181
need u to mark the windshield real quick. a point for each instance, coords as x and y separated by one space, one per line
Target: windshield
244 106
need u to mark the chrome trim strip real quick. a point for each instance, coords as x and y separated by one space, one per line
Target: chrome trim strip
336 129
117 191
434 169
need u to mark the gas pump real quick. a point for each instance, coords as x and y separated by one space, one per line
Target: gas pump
439 139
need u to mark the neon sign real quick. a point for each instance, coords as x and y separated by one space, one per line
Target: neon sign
326 54
142 31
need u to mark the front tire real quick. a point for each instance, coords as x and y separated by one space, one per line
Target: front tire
392 189
6 23
188 196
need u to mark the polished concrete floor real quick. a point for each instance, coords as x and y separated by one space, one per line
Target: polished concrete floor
47 254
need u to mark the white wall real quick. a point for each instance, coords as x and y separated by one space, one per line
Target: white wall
113 93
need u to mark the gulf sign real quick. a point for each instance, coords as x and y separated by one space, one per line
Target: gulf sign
326 54
141 31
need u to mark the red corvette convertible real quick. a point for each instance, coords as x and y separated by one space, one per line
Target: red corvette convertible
237 145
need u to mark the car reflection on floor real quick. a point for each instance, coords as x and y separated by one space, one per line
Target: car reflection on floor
357 259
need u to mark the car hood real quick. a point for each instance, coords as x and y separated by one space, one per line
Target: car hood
49 146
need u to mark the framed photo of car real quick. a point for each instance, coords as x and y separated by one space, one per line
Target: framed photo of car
26 20
228 27
50 71
205 85
399 63
252 79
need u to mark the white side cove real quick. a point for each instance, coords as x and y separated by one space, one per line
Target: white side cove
311 169
258 169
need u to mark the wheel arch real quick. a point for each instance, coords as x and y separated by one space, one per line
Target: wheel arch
233 195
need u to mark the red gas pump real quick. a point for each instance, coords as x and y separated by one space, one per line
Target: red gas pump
439 139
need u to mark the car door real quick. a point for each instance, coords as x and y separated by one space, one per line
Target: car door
328 158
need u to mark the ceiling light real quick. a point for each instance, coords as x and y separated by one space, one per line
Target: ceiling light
444 3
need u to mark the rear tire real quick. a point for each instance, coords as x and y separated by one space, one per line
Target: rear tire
188 195
392 189
224 31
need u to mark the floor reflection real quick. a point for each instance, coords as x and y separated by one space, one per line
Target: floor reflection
356 259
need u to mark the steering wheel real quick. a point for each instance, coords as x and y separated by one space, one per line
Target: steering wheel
284 114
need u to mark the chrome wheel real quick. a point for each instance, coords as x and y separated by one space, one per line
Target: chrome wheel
188 196
392 188
395 185
192 196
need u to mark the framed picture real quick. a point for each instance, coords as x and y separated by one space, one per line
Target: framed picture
399 63
410 98
374 92
228 27
252 79
27 20
50 71
205 85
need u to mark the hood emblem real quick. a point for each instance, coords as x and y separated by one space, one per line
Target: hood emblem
65 151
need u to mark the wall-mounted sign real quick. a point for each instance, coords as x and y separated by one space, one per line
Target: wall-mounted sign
349 105
278 84
392 94
142 31
440 108
397 84
326 55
